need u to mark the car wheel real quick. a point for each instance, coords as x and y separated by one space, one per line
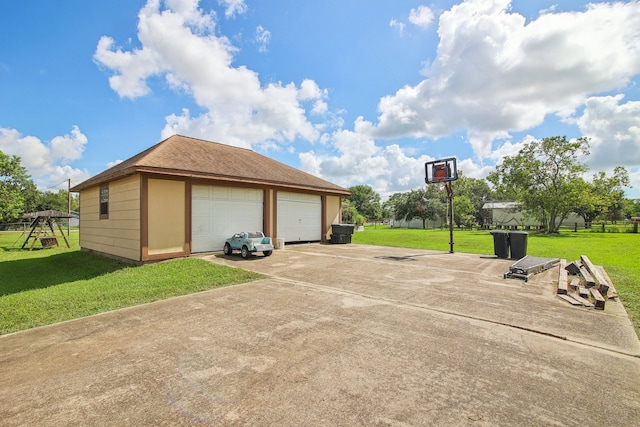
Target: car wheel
245 252
227 249
267 253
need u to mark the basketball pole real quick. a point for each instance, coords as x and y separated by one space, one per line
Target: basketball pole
443 171
450 197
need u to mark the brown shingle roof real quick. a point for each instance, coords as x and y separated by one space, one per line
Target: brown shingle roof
190 157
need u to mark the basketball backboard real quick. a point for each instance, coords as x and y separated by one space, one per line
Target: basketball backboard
443 170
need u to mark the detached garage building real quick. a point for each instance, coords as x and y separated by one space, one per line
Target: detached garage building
186 195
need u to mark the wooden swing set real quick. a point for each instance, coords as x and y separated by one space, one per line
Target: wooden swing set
42 228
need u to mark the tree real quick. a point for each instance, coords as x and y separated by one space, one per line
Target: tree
14 181
612 188
18 193
603 196
57 201
463 211
32 197
477 191
421 203
632 208
366 201
393 205
544 177
591 204
350 214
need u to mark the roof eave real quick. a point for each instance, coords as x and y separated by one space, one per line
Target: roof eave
99 180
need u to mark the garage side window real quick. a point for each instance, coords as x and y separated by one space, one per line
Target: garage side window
104 202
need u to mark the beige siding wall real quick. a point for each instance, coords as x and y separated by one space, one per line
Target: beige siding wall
118 235
166 216
334 214
270 217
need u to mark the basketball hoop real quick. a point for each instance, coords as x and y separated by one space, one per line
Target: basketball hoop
439 172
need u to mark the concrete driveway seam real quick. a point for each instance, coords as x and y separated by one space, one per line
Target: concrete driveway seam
457 314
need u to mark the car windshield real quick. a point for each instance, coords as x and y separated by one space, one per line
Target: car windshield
255 234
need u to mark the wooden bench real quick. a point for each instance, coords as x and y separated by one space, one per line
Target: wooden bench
48 242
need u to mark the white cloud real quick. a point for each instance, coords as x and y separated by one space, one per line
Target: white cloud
634 177
262 38
422 16
33 153
397 25
495 73
358 160
550 9
69 147
509 148
319 108
310 90
233 7
190 13
185 23
614 130
48 164
179 44
471 169
205 127
133 68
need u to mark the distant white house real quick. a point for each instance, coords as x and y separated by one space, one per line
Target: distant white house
509 215
416 223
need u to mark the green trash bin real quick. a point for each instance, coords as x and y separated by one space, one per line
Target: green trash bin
500 243
518 243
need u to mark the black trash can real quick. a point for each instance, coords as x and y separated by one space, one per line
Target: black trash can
340 238
341 233
518 243
343 229
500 243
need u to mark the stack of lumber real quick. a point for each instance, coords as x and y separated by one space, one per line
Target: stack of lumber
581 283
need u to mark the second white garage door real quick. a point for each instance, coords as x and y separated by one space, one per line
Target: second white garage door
299 217
219 212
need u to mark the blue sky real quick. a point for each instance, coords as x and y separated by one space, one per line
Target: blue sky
354 91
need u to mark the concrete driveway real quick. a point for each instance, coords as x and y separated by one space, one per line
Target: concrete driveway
338 335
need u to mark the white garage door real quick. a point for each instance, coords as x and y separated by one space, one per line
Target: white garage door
219 212
299 217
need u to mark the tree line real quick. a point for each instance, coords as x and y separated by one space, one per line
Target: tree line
19 194
545 178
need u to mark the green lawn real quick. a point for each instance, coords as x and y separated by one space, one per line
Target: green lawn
46 286
619 253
